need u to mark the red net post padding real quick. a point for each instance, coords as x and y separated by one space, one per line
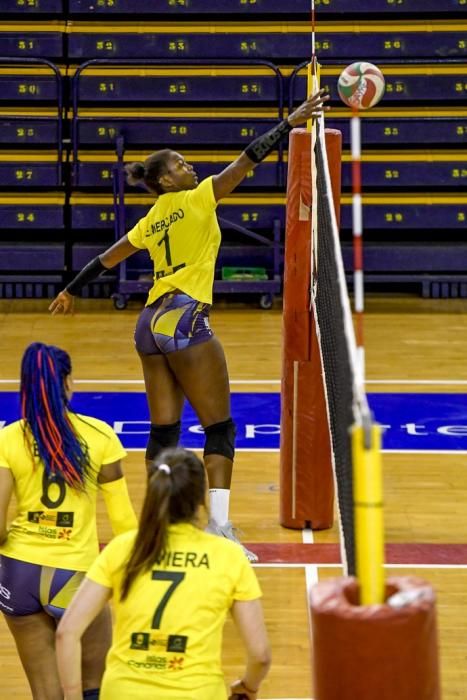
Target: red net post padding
374 652
306 478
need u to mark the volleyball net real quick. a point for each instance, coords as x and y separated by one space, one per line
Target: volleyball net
316 297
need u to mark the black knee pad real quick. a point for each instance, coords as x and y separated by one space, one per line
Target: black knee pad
162 436
91 694
220 439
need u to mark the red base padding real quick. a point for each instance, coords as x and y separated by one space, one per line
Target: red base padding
374 652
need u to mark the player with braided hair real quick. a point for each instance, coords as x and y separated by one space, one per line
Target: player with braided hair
55 461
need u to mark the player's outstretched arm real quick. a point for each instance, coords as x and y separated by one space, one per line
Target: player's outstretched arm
233 174
122 249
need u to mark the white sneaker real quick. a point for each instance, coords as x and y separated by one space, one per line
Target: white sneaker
228 531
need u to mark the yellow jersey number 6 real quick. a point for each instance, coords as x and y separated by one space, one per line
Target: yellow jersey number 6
47 482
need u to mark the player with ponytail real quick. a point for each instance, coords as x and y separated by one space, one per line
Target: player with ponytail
172 585
55 461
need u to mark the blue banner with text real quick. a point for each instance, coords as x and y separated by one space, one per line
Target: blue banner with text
433 422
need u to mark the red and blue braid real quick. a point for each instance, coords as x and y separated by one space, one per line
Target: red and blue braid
44 408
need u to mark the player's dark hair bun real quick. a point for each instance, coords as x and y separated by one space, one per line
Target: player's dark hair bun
134 173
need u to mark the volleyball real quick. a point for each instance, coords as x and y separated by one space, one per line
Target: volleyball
361 85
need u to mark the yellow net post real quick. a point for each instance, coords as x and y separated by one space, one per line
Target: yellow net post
368 508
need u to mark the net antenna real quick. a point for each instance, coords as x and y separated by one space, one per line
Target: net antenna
357 231
313 85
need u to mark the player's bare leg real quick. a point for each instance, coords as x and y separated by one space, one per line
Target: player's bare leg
201 371
95 645
164 395
35 640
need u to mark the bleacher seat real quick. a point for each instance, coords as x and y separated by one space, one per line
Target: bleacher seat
27 84
33 39
440 269
95 211
408 169
290 43
399 127
41 7
409 84
259 8
400 212
95 168
26 212
148 127
18 127
177 84
30 169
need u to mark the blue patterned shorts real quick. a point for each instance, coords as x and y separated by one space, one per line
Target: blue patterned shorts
26 589
173 322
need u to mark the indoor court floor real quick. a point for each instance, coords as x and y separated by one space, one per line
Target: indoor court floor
414 347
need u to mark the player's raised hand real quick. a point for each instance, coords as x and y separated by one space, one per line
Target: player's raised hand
62 304
314 106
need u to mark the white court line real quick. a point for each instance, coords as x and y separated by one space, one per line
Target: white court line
425 452
141 381
311 576
421 382
298 565
277 449
427 382
237 449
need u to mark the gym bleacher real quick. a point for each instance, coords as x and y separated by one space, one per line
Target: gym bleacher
90 84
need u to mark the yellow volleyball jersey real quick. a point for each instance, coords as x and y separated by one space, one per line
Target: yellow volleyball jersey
55 525
168 631
182 236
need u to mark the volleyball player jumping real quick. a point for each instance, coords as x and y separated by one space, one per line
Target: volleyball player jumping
181 357
55 461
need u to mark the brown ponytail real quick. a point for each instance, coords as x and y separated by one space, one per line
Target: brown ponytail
173 495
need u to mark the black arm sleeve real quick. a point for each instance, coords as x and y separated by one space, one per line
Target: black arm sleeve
89 273
264 144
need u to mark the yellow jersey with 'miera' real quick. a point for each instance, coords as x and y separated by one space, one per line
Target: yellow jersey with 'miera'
55 524
168 630
182 236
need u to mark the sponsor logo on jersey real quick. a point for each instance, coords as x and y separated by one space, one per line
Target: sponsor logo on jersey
176 664
152 663
177 643
58 519
140 640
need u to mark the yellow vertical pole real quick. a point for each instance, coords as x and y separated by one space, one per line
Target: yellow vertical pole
309 91
313 78
368 509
